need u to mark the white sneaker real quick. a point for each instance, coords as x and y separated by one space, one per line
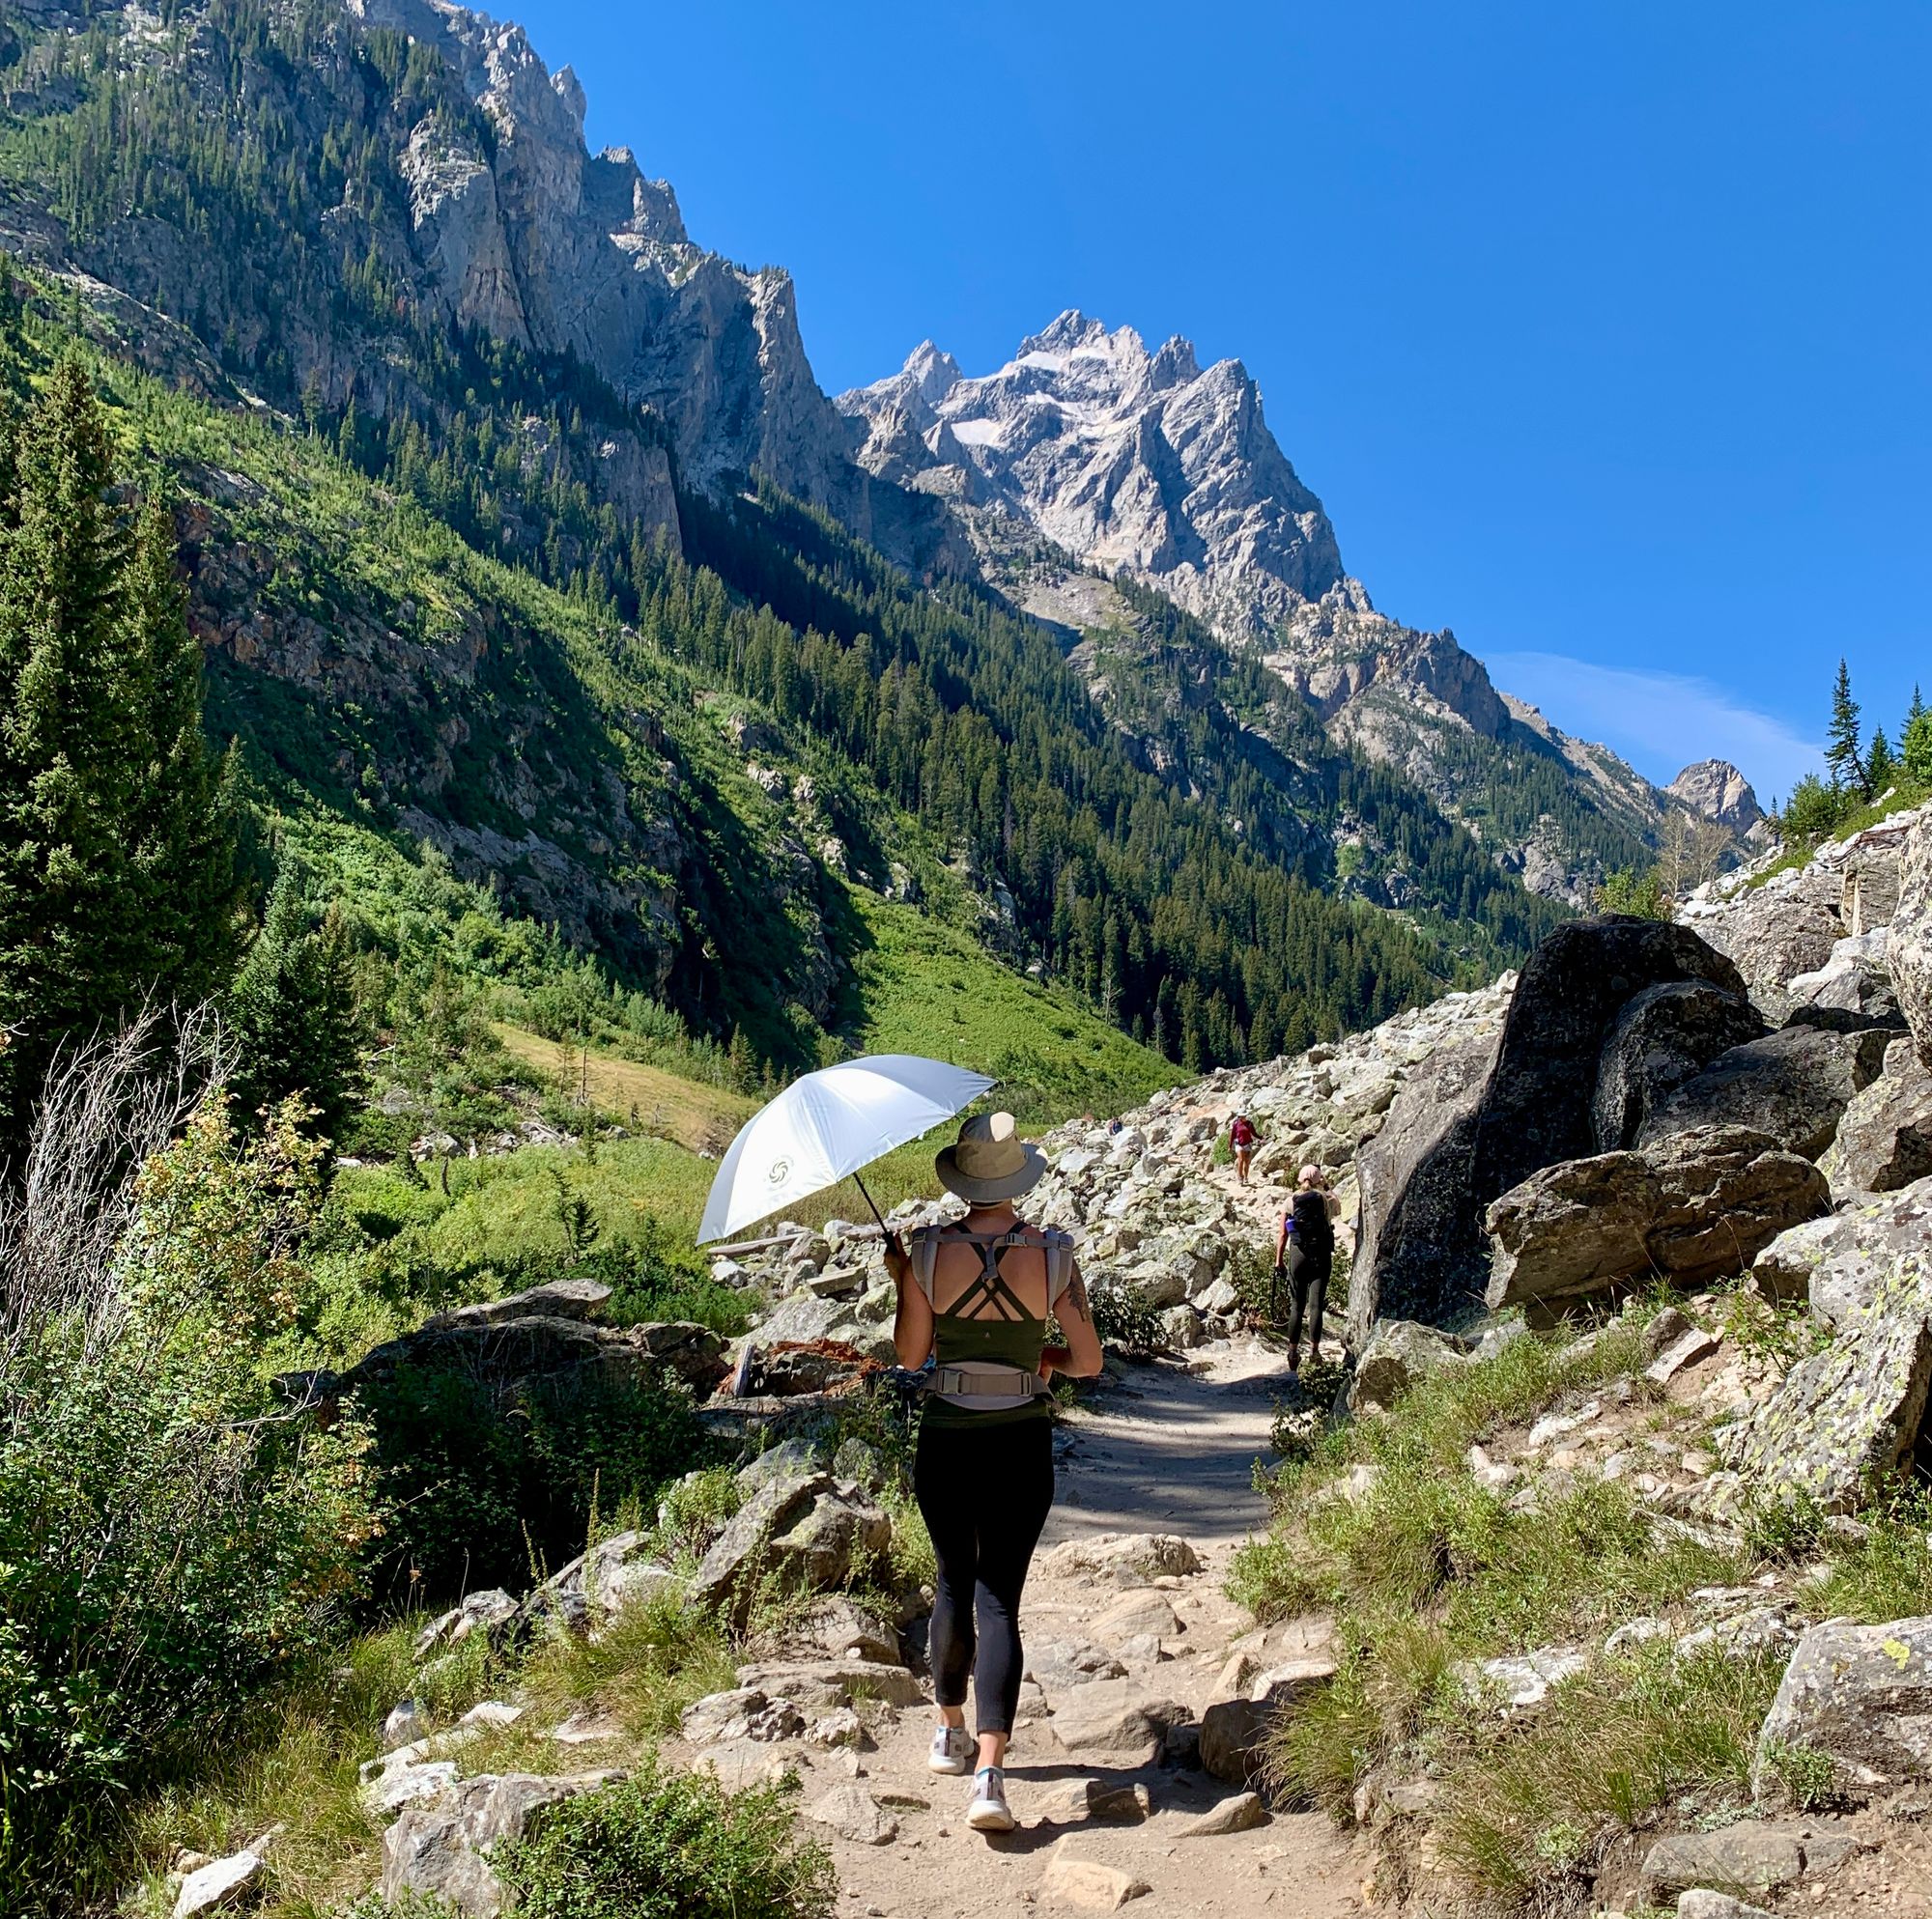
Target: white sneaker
988 1810
952 1750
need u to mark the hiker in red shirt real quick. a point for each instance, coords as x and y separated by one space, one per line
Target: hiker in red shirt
1241 1137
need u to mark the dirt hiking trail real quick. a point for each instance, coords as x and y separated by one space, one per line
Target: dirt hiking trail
1115 1652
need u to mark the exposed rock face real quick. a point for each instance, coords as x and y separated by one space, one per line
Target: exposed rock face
1144 463
1666 1036
1130 460
1415 1181
1909 952
1861 1696
1856 1408
1692 1206
1794 1084
1852 987
1716 790
1423 1255
1884 1138
1786 927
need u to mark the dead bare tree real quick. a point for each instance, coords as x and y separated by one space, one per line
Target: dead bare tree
108 1104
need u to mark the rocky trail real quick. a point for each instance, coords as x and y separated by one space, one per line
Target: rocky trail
1107 1773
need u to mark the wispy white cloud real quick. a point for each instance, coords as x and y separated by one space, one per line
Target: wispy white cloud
1660 722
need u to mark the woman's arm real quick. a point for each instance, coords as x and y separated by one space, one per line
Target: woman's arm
1281 1241
911 1323
1080 1357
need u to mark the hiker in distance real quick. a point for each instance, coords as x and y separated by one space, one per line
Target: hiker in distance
974 1298
1241 1138
1305 1247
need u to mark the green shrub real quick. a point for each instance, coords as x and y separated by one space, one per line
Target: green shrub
668 1845
169 1546
1123 1315
481 1487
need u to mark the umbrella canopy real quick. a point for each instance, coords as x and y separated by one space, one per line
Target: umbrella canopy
827 1124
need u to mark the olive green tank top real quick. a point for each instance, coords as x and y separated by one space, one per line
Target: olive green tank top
988 1323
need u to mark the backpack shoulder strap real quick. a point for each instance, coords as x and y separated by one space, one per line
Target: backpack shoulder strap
922 1243
1058 1265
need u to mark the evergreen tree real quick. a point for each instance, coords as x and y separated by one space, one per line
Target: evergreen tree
1915 747
1842 754
292 1011
1880 764
116 854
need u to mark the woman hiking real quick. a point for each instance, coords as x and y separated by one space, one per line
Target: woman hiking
1241 1138
1306 1248
974 1297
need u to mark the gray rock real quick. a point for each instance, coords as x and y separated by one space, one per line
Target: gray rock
1138 1614
1909 949
1451 1144
1884 1138
830 1684
1794 1084
804 1533
597 1584
1088 1885
1523 1680
1777 932
1854 1410
1399 1354
404 1725
1112 1715
1852 989
860 1463
1700 1902
441 1849
218 1883
852 1813
1755 1855
490 1611
744 1713
1860 1697
1692 1205
1666 1036
834 1628
789 1459
1688 1349
1062 1663
1241 1813
556 1299
1121 1559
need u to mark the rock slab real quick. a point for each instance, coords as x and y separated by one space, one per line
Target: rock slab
1860 1695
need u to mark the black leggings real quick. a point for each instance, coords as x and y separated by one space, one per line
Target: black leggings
984 1494
1307 1293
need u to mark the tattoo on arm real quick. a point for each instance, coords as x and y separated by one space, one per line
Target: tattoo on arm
1076 1291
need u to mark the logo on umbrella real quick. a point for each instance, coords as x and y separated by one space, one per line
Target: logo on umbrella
780 1172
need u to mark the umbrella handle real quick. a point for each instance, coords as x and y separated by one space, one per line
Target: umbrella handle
873 1204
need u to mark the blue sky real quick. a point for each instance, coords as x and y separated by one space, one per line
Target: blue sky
1601 331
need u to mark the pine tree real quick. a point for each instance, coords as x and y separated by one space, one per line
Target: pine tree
1915 743
116 853
293 1013
1841 741
1880 764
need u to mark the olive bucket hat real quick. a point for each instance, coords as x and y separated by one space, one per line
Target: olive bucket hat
989 1161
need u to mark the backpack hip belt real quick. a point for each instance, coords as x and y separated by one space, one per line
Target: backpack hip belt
986 1386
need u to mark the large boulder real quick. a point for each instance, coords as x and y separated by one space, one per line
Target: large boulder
1909 950
1399 1354
1690 1208
1415 1181
1452 1143
441 1848
1774 933
1884 1138
801 1533
1855 1410
1666 1036
1794 1084
1860 1697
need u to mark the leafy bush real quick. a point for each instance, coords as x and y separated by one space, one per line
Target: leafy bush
669 1845
483 1487
1123 1315
169 1546
1639 895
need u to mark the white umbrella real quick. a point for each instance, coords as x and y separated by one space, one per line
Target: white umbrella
827 1125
